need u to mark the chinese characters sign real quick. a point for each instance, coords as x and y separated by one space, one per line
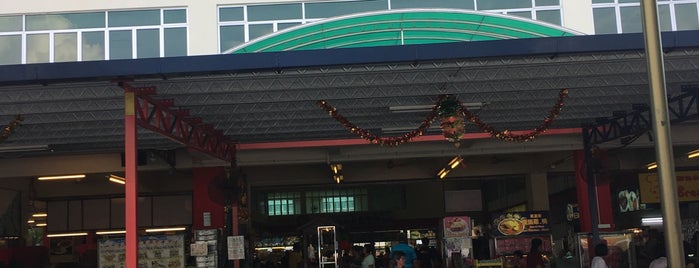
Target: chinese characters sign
521 223
687 186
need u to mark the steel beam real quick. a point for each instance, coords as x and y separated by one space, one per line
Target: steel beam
159 117
638 121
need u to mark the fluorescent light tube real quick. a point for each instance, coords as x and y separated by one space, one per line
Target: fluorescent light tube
111 232
25 148
155 230
117 179
61 177
455 162
40 215
693 154
65 234
427 108
443 173
651 165
652 221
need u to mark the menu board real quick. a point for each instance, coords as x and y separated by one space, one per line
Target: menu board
521 223
162 251
508 245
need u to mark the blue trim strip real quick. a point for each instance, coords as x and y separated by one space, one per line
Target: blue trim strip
46 73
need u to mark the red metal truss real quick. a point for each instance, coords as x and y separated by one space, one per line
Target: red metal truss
177 124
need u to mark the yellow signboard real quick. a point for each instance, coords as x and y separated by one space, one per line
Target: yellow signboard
687 186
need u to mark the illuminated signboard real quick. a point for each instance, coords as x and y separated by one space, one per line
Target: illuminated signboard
521 223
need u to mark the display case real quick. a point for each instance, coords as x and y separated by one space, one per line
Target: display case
274 249
620 244
327 247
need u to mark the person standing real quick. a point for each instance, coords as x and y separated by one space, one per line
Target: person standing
535 258
660 255
426 254
368 261
518 260
398 259
601 250
295 257
408 252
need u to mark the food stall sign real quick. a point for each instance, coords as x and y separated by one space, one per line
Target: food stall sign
457 226
687 186
521 223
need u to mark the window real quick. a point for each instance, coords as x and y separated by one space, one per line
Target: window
64 45
337 204
37 48
10 23
257 30
134 18
147 43
175 42
231 36
432 4
503 4
10 49
65 21
274 12
231 14
279 204
91 36
605 20
93 46
120 45
334 9
337 201
686 16
624 16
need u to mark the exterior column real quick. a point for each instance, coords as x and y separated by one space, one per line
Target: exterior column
130 157
537 192
602 193
202 202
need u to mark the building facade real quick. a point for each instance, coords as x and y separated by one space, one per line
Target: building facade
46 31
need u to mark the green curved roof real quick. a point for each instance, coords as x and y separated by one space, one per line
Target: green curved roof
402 27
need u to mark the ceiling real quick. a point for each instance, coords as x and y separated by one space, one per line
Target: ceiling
271 98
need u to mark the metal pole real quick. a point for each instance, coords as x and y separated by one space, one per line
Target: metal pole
661 130
591 192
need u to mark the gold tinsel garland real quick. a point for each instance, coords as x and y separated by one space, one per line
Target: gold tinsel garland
452 114
7 131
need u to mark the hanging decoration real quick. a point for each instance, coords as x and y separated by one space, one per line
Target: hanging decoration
507 135
453 117
7 131
375 139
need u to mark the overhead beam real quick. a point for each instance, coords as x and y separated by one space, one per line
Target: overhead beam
179 126
626 125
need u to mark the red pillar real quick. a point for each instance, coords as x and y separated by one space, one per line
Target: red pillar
130 157
603 193
204 177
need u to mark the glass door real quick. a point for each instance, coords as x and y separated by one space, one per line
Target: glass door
327 247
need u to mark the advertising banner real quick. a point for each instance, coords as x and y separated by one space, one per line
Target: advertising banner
521 223
158 251
687 186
